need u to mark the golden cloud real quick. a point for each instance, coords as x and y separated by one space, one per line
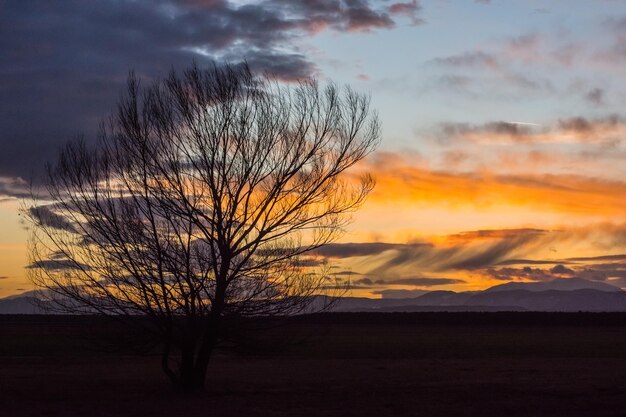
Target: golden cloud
400 182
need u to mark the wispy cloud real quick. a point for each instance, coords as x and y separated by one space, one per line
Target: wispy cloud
395 293
610 129
549 62
486 256
350 250
423 281
13 187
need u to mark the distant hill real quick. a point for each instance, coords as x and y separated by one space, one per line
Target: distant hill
553 300
19 305
559 284
563 294
445 298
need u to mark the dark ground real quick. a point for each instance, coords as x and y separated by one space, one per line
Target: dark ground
417 364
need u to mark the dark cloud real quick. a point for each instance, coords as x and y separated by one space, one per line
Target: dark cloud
13 187
449 131
311 262
611 266
499 127
592 275
596 96
605 129
562 270
602 272
599 258
465 251
529 262
400 293
472 250
495 234
342 15
284 66
469 59
578 124
4 277
586 125
64 64
57 265
45 216
348 250
489 254
346 273
409 9
360 17
422 282
517 274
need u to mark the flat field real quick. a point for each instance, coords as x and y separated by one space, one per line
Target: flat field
416 364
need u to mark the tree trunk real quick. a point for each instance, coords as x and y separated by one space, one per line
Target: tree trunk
187 380
165 363
202 359
195 358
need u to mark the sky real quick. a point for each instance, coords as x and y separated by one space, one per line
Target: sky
504 122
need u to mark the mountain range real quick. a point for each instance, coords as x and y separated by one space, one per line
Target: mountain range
561 294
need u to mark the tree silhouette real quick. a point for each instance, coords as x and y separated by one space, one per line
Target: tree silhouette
200 201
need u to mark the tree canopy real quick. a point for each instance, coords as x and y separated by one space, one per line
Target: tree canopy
201 199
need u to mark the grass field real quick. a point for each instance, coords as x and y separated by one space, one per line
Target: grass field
418 364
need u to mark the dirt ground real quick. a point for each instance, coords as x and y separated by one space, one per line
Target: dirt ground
359 365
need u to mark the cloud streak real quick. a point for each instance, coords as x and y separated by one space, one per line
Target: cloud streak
13 188
423 282
487 256
350 250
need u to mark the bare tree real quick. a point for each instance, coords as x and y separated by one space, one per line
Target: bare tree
201 200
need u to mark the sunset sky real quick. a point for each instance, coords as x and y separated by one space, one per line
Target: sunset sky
504 122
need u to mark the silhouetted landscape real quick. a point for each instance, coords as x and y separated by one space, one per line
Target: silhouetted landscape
433 364
378 357
559 295
328 208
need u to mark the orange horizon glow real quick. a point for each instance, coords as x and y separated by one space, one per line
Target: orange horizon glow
544 217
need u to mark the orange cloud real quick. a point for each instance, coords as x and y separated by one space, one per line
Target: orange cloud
481 258
400 182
